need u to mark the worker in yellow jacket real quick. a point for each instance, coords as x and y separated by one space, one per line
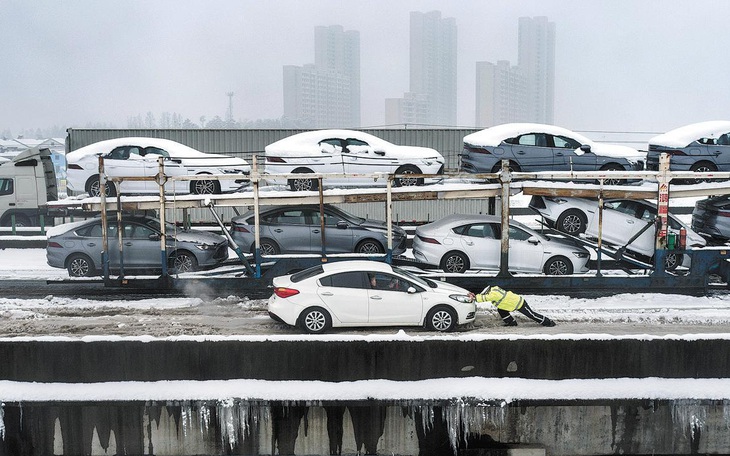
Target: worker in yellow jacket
506 302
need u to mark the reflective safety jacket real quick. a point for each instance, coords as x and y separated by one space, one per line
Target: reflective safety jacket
505 300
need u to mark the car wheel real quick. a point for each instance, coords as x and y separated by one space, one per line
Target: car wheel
369 247
572 222
702 167
612 167
514 167
672 261
558 265
79 265
93 187
182 261
407 181
205 187
455 262
267 247
442 319
303 184
315 320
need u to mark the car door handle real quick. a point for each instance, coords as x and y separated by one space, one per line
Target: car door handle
520 152
91 244
468 243
327 293
630 222
558 154
278 230
376 297
128 243
315 231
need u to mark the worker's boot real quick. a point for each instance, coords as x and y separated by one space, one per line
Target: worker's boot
548 322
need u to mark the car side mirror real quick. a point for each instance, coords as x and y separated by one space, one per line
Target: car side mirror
533 240
585 147
379 152
342 225
154 237
411 290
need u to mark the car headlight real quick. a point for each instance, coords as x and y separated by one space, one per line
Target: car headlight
556 200
233 171
581 254
461 298
205 246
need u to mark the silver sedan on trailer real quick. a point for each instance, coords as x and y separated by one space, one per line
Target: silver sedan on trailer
457 243
77 246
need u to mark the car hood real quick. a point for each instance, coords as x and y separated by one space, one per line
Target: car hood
448 288
684 136
199 237
614 151
566 243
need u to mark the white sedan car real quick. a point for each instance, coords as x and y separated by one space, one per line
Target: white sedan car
457 243
347 152
138 157
623 219
367 293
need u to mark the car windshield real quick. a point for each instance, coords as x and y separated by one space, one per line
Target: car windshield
346 215
155 224
419 280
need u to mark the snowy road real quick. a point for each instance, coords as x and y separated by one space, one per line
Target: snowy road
643 313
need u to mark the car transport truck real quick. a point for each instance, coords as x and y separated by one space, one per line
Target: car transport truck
27 183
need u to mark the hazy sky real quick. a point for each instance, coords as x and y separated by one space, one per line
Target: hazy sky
624 65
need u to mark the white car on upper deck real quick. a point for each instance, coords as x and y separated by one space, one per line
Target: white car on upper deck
138 157
347 152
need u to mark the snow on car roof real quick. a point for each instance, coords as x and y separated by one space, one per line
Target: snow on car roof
309 138
105 146
493 136
683 136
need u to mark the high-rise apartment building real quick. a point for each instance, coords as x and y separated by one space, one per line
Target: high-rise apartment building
431 99
522 93
326 94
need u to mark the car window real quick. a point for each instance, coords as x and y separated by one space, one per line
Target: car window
94 231
329 219
6 186
331 144
154 151
626 207
519 234
389 282
307 273
565 143
353 279
288 217
532 139
724 140
119 153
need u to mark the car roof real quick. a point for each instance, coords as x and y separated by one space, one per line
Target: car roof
108 145
462 219
353 265
308 138
270 209
493 136
683 136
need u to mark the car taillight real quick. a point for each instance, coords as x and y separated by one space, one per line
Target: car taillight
284 292
275 160
54 244
240 229
428 240
723 214
73 166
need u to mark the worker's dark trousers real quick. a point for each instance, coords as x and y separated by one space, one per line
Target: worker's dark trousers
524 310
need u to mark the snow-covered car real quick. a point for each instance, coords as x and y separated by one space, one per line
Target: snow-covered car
623 219
78 246
711 217
367 293
457 243
700 147
138 157
349 152
531 147
298 229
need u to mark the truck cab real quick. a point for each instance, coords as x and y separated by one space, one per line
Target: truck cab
27 183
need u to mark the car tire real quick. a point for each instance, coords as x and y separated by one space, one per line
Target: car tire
80 265
93 187
315 320
441 319
303 184
612 167
572 222
408 181
267 247
558 265
513 166
455 262
702 167
205 187
182 261
672 261
369 247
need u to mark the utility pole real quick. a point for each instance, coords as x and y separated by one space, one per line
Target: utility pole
229 117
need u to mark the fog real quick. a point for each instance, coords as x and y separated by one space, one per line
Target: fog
620 65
